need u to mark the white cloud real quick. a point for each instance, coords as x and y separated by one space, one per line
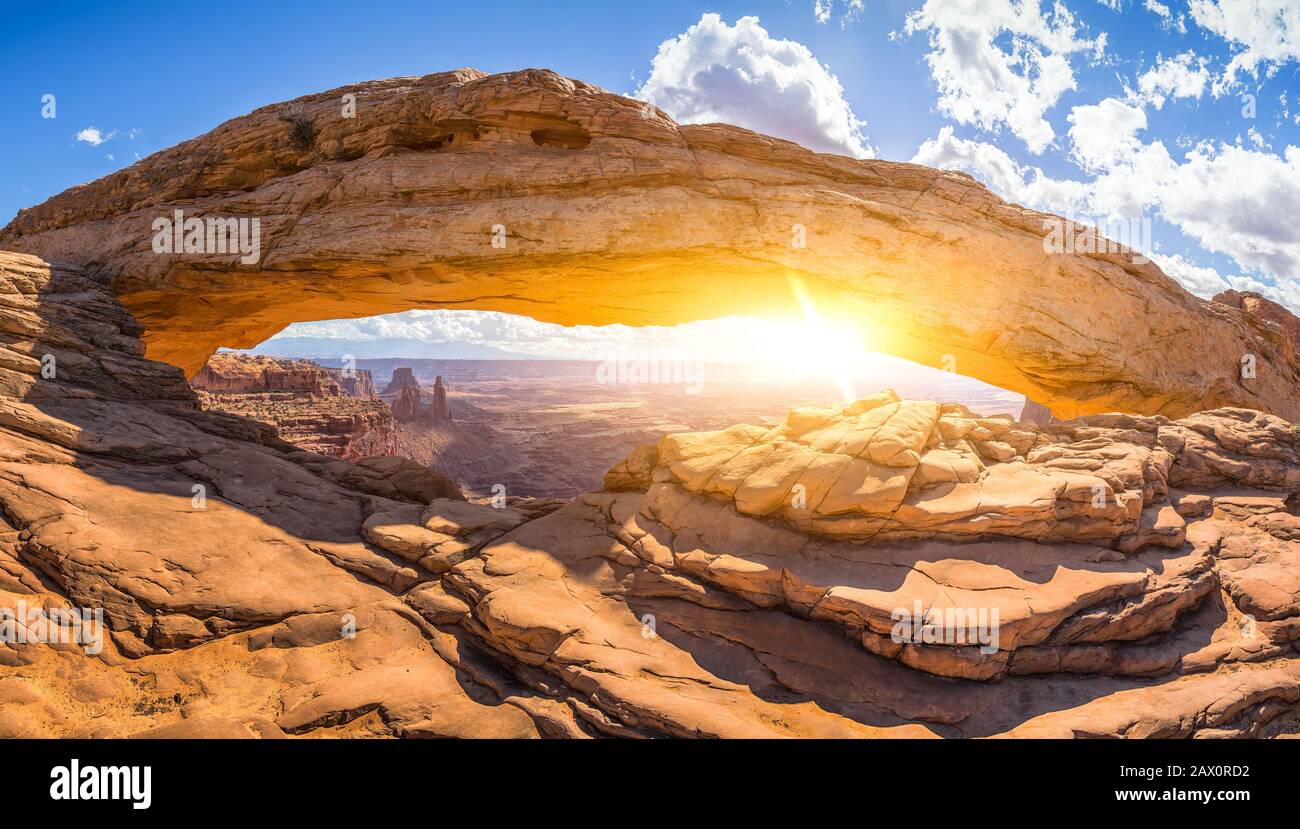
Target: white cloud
1168 20
1105 134
1023 185
999 62
94 136
1113 5
728 339
1240 202
1230 199
1182 76
1204 282
1264 33
741 75
823 10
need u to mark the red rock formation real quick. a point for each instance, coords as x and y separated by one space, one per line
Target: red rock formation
312 407
402 378
736 583
1144 570
406 408
355 382
247 373
440 400
1265 309
598 196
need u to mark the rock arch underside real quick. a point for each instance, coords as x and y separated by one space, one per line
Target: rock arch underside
1137 559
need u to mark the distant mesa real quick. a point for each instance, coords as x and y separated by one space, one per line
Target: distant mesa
247 373
331 411
403 377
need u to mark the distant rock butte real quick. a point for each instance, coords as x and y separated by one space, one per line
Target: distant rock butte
1036 413
407 406
403 378
531 193
747 582
440 400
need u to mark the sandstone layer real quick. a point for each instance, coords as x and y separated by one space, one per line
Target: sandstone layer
1265 309
535 194
739 583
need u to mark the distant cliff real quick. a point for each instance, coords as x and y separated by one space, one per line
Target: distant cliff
327 410
245 373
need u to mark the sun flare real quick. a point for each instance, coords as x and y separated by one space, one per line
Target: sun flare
813 344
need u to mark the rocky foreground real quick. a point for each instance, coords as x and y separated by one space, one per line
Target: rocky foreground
1144 573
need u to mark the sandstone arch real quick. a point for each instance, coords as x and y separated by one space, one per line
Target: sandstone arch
614 213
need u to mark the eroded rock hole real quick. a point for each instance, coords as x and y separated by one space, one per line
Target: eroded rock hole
562 138
495 400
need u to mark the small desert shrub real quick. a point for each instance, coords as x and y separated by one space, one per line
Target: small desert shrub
302 132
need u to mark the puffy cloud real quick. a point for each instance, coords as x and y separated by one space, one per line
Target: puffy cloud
1023 185
1263 32
823 10
1204 282
741 75
1230 199
94 136
1000 62
1105 134
1239 202
1182 76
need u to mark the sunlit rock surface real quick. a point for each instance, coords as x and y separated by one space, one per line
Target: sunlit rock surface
535 194
303 595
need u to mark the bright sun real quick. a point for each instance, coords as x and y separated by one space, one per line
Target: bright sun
813 346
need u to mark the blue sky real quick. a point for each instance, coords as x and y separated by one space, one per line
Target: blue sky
1103 109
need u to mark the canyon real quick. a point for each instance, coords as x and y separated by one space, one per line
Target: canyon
1124 563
